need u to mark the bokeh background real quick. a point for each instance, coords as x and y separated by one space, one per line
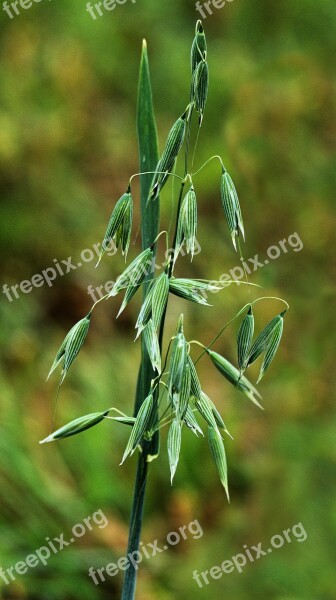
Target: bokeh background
67 148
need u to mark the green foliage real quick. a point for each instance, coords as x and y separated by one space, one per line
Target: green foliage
67 149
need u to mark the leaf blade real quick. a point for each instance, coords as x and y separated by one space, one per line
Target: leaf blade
150 212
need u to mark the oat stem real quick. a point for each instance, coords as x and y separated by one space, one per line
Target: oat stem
148 154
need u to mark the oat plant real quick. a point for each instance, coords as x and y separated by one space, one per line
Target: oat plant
169 392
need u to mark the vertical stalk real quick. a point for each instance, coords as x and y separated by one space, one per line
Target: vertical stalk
148 153
148 158
128 591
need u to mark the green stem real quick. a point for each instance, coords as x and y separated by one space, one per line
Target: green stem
128 591
150 448
149 156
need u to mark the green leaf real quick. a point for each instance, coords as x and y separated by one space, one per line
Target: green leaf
76 426
219 457
148 152
149 217
140 426
233 375
244 339
174 446
272 346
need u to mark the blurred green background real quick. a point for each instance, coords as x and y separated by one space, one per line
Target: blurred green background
67 148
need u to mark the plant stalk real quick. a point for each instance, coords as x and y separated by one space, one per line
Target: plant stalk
148 152
128 592
149 156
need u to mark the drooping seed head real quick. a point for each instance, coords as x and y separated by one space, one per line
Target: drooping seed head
192 289
244 339
166 163
127 228
159 298
184 395
174 446
187 224
120 225
191 423
146 310
135 273
199 47
130 292
152 345
140 426
76 426
231 207
272 345
71 346
195 386
219 457
177 361
233 375
201 87
205 409
218 418
260 344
